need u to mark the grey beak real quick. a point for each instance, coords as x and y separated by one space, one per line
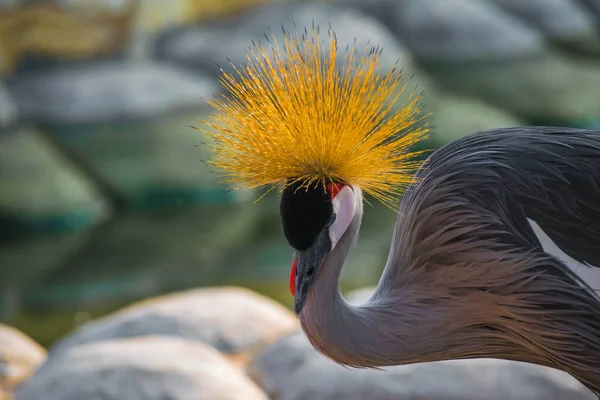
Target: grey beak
308 263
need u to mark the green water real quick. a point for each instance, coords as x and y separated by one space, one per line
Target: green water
55 284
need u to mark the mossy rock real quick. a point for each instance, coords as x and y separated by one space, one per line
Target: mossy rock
456 116
153 163
41 190
546 90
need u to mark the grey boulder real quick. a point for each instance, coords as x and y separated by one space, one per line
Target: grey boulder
458 31
205 47
291 369
558 19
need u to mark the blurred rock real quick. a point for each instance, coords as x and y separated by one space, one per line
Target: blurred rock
566 22
360 295
19 357
456 116
232 320
50 34
201 48
558 19
130 125
291 369
150 368
101 92
41 191
549 89
451 31
593 5
8 109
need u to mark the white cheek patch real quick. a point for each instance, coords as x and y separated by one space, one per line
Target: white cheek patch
344 207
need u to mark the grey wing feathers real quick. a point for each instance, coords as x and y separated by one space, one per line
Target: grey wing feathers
550 175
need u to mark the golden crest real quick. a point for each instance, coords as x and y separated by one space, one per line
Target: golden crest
298 112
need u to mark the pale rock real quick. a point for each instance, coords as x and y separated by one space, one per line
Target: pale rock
19 357
105 91
205 47
291 369
150 368
232 320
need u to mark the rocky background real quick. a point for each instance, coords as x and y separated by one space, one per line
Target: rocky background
104 200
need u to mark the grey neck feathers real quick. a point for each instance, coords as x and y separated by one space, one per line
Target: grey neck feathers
398 325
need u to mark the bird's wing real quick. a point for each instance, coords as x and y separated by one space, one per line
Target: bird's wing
549 175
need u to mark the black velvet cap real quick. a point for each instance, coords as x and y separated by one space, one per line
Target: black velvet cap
304 214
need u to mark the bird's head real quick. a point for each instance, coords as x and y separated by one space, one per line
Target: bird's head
322 128
314 220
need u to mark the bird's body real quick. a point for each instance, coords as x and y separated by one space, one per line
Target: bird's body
467 276
497 244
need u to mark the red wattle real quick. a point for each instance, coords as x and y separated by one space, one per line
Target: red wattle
293 279
334 189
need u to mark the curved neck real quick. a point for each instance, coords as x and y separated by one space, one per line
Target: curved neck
365 335
326 316
423 316
404 324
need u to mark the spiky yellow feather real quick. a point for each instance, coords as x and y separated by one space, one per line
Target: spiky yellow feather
297 113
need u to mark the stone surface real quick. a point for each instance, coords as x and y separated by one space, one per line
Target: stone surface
101 92
232 320
19 357
291 369
150 368
461 31
549 89
203 47
40 190
8 109
558 19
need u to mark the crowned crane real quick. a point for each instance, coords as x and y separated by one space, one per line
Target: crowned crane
496 248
